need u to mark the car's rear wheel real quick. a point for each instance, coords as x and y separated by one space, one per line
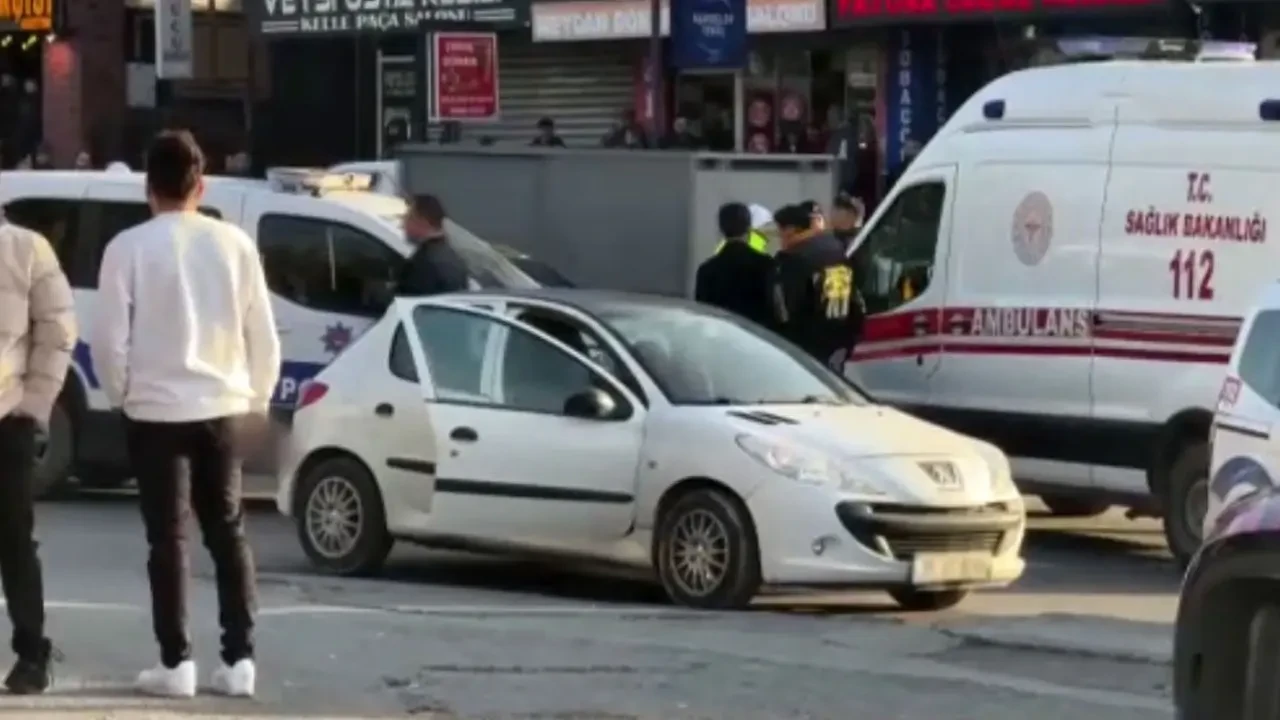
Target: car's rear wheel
706 552
1261 692
1070 507
1186 500
917 600
341 520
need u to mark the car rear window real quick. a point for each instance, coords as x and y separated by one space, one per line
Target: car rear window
1260 360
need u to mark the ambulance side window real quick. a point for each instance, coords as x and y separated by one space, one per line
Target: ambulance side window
894 265
327 266
1260 359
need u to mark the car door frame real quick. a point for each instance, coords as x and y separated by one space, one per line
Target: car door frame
555 509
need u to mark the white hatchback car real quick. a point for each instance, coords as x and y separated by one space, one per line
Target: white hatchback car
641 431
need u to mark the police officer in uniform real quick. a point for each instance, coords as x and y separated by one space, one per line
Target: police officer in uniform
814 300
736 278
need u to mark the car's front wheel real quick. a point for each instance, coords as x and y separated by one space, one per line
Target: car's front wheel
1186 501
706 551
917 600
341 520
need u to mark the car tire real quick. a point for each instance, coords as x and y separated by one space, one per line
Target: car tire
1261 692
691 525
1071 507
346 485
1188 478
917 600
55 454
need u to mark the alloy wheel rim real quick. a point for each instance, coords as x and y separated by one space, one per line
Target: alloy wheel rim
335 517
699 556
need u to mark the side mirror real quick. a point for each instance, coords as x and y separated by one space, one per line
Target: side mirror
590 404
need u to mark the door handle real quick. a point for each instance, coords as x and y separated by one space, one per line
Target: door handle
464 434
384 410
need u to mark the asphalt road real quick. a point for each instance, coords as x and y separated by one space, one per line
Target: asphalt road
1085 633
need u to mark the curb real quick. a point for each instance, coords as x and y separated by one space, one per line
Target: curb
1136 648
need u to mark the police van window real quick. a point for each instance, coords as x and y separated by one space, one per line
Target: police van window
1260 359
894 265
57 220
327 266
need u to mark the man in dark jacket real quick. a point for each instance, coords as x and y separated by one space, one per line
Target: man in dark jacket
815 303
737 277
434 267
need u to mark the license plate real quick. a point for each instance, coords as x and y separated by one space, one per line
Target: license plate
936 568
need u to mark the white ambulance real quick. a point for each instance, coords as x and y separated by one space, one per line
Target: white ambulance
331 249
1063 270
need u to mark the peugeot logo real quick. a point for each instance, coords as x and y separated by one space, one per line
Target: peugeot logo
943 474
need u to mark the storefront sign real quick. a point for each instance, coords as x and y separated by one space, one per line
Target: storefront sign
845 13
346 17
26 15
465 74
174 56
916 92
617 19
709 34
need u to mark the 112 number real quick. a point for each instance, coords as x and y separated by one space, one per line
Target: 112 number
1192 273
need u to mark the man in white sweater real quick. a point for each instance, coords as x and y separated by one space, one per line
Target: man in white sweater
185 343
37 335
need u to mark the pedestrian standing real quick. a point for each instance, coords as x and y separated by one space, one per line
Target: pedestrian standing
434 267
37 334
737 277
185 343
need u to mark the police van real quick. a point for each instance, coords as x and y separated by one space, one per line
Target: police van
331 250
1063 270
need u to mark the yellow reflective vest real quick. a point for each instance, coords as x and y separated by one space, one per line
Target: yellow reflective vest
755 241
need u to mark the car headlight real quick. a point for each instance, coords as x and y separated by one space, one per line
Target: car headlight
804 466
1001 471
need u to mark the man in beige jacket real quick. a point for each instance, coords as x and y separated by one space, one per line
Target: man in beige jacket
37 335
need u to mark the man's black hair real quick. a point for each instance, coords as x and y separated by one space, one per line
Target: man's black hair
429 208
735 220
793 217
845 201
174 165
545 123
812 207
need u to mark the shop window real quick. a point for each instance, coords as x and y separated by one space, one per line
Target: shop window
57 220
894 265
327 266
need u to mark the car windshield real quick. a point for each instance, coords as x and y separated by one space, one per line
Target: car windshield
702 357
488 267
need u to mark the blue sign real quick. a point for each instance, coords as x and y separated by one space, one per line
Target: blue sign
916 101
708 34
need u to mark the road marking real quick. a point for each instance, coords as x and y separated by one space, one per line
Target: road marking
87 605
318 610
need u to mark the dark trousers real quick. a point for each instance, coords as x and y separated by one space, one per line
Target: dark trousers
209 454
19 565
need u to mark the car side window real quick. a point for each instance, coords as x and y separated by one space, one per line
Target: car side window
455 343
400 362
57 220
1260 358
327 266
895 264
585 342
539 377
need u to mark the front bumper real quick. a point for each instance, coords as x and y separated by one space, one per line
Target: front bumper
812 536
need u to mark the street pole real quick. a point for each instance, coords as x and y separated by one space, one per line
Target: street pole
655 70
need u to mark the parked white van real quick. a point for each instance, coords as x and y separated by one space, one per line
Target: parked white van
1063 270
332 252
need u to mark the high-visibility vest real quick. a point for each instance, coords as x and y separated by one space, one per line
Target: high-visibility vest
755 241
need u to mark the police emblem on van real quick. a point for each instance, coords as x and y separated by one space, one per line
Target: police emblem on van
943 474
1032 228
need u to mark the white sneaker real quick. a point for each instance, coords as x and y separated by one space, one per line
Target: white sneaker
178 682
236 681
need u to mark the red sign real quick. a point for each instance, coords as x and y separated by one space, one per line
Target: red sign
869 12
466 77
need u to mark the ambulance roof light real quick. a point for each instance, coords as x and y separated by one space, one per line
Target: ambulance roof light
993 109
317 181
